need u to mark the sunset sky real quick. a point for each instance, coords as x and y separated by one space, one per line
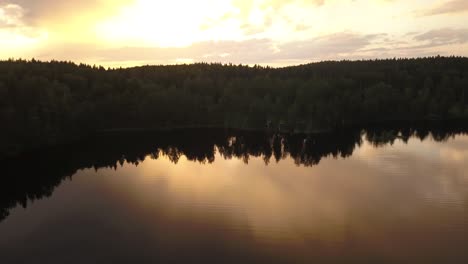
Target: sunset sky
266 32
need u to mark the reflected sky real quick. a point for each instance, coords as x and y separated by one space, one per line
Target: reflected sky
398 203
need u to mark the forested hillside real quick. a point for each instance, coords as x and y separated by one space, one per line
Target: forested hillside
43 103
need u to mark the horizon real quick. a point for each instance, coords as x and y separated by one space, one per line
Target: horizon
229 63
275 33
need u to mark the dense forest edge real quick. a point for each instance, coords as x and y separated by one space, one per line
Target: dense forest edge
45 103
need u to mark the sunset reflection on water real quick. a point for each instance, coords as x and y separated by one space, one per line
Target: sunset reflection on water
397 203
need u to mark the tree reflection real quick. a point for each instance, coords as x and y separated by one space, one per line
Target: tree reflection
35 175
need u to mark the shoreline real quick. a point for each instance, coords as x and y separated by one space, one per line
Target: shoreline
388 125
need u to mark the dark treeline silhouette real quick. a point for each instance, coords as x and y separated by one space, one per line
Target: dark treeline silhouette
35 174
42 103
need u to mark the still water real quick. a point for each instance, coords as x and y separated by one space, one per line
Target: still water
374 196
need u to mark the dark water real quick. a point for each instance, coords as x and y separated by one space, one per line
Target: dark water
214 196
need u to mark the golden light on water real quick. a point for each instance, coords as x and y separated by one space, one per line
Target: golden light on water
286 202
382 202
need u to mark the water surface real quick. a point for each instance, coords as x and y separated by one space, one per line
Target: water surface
378 196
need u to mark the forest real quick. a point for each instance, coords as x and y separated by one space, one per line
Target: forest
45 103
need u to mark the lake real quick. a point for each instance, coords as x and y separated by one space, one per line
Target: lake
379 195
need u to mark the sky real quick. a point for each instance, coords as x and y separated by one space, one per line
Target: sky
126 33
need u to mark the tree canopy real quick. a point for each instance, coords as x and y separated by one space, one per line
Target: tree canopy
43 103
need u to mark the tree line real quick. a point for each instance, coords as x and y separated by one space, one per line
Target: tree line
42 103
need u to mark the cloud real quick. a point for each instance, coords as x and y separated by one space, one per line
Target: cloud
248 51
247 5
11 16
328 46
252 51
444 41
13 26
274 32
449 7
256 17
444 36
36 11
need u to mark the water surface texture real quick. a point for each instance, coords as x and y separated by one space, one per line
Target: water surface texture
377 196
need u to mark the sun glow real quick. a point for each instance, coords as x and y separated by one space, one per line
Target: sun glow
173 23
123 33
